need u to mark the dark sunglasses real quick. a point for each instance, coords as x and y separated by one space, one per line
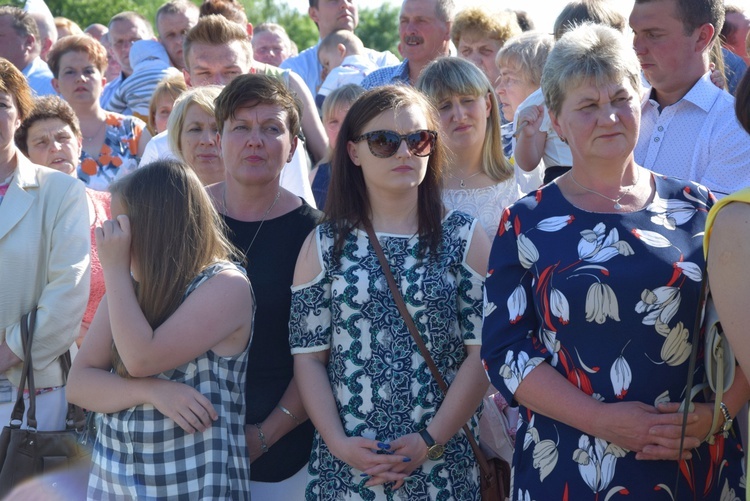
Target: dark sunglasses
385 143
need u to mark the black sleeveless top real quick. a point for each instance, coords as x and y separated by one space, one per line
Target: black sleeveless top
270 266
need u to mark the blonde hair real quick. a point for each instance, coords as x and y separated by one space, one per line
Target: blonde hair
499 26
588 52
204 97
452 76
175 234
528 53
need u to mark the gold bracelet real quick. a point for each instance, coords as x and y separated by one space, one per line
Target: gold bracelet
262 437
288 413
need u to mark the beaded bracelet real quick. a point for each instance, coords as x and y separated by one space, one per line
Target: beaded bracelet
288 413
262 437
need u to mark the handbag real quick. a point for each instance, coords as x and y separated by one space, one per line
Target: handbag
28 452
494 473
718 359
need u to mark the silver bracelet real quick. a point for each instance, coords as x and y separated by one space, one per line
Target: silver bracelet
262 437
288 413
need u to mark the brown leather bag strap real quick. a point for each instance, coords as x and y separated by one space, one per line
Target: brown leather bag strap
409 321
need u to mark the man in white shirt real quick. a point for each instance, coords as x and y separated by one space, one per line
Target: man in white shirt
216 51
20 44
330 16
688 126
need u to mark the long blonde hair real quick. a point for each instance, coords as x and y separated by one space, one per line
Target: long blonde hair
452 76
175 234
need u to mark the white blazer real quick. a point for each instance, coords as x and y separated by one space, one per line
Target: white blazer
44 263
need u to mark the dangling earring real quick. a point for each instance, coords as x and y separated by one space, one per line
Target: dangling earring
563 140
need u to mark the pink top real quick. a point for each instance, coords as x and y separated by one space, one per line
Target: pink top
101 202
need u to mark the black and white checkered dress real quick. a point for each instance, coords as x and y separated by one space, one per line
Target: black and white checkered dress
142 454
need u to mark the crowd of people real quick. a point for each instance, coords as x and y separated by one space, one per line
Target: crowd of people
202 212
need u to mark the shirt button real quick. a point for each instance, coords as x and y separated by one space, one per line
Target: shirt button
660 128
656 139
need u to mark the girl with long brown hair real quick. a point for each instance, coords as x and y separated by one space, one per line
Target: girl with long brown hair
176 324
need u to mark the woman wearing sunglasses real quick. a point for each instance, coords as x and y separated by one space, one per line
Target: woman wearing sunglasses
382 422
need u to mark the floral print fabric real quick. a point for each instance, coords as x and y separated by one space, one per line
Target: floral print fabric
119 153
609 301
382 385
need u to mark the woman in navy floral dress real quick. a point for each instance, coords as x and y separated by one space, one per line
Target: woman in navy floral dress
592 290
364 383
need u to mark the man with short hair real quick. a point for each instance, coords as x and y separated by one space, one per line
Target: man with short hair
735 30
125 29
96 31
330 16
20 44
425 32
688 126
173 20
45 23
216 51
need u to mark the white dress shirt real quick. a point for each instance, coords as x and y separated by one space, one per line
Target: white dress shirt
697 138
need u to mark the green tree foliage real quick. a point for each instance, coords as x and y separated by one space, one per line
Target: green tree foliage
86 12
299 26
378 28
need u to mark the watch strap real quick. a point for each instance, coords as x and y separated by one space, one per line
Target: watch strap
427 437
727 417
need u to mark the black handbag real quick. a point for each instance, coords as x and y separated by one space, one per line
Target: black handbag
27 452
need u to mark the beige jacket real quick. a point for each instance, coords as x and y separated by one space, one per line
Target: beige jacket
44 262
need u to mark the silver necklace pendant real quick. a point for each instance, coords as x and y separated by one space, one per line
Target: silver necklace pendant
618 206
462 184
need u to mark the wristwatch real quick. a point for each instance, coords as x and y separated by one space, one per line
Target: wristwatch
727 418
434 450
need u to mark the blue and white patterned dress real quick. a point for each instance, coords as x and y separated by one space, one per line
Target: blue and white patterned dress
381 384
142 454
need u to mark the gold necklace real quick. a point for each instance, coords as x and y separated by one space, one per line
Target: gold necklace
616 201
263 219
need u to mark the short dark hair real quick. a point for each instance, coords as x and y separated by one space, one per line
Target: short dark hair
132 16
348 205
742 102
524 20
578 12
696 13
727 31
174 7
46 108
252 90
22 23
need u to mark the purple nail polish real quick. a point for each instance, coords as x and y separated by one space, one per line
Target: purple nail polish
383 445
407 460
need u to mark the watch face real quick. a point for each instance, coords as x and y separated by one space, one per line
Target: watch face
435 452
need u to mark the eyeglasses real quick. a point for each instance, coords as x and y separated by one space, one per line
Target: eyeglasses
385 143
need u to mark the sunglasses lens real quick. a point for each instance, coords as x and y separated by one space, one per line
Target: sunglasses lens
420 143
384 143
